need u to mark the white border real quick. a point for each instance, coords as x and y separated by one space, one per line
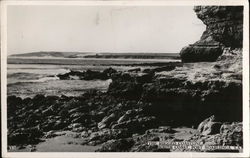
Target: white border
245 152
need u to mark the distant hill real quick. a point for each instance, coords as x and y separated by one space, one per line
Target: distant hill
50 54
100 55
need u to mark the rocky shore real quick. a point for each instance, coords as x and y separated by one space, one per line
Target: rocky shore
143 106
139 106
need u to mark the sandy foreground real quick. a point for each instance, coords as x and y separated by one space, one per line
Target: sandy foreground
67 141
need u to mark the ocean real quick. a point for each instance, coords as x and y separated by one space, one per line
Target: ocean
27 77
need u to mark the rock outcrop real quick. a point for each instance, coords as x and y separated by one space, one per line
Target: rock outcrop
224 28
87 75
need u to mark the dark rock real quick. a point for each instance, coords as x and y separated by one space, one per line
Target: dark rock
173 97
145 78
122 77
64 113
134 70
13 102
200 53
88 75
17 138
91 75
109 71
147 71
25 136
98 116
129 90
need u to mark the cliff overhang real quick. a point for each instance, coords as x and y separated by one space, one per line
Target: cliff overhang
224 28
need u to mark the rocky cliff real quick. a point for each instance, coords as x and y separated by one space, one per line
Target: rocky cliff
224 28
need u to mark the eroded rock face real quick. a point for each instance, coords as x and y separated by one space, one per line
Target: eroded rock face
224 28
224 24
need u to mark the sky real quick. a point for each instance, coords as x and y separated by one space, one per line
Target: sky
116 29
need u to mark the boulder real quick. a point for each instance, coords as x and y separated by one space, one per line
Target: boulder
209 126
109 71
84 134
106 121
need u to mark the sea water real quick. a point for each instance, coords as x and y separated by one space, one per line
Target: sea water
28 77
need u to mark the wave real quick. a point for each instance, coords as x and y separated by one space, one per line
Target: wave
23 75
18 78
48 78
